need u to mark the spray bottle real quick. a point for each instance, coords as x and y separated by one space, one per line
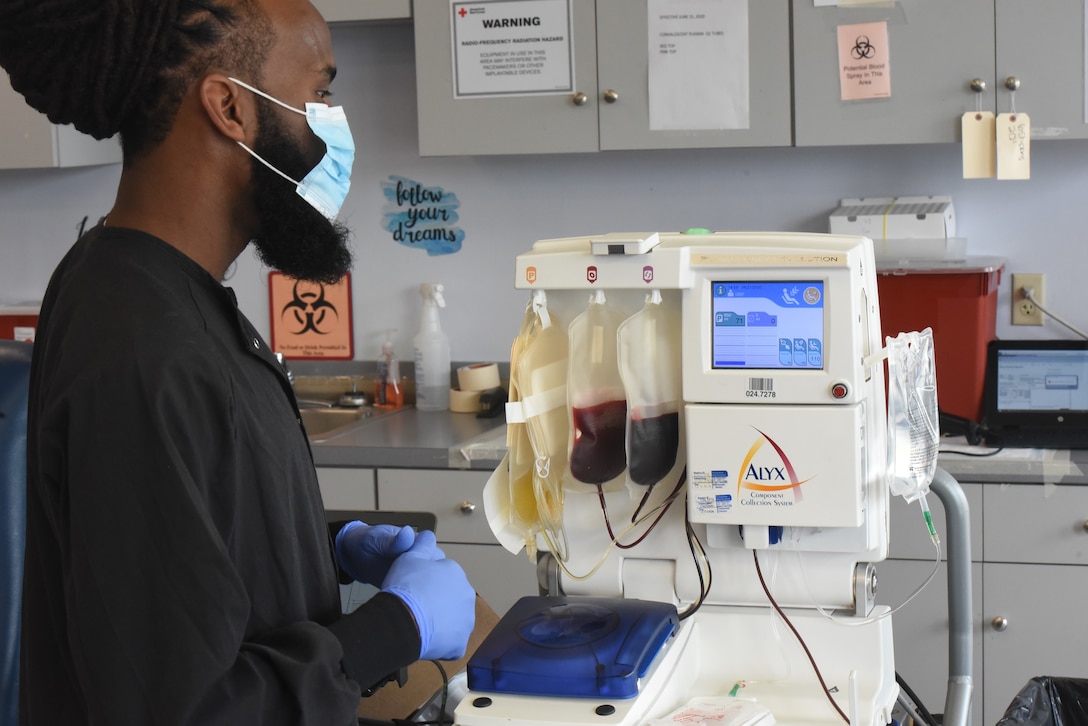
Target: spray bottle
387 390
432 353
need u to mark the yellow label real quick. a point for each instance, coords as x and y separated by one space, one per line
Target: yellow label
979 145
1013 146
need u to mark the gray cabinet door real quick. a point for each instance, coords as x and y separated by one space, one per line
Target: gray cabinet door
1041 43
29 141
499 577
1043 606
909 536
623 67
514 125
1040 523
934 51
348 10
920 629
344 489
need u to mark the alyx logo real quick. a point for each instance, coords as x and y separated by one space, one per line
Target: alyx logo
773 478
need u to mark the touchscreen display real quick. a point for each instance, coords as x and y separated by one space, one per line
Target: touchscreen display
768 324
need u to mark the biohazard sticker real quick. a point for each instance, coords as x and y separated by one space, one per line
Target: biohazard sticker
310 320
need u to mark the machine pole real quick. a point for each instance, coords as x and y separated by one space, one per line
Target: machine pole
957 706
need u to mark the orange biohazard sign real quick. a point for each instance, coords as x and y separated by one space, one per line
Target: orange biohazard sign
310 320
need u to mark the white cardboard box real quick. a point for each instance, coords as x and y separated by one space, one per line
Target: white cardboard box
896 218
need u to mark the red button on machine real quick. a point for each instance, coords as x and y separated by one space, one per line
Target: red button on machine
839 390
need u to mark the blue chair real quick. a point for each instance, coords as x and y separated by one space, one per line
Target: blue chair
14 385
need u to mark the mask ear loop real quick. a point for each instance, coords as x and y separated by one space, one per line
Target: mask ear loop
275 100
262 94
257 156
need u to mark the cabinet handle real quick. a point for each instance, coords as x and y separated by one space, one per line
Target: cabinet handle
1012 83
467 508
611 96
978 85
999 623
579 99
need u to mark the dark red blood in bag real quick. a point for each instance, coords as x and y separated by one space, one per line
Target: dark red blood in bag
654 442
598 452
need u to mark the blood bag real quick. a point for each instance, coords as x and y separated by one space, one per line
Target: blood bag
542 373
648 345
597 402
524 516
913 430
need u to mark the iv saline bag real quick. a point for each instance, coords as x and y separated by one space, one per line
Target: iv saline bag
913 432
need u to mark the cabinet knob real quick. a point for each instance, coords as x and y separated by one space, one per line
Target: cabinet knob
978 85
611 96
1012 83
579 99
467 508
999 623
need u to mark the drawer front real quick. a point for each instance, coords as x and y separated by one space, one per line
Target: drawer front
909 537
1036 523
344 489
455 497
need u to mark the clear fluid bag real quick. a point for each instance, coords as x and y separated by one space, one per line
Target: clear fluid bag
913 428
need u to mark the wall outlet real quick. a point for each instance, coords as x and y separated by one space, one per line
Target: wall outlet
1024 311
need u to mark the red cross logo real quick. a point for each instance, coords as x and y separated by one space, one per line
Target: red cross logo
462 12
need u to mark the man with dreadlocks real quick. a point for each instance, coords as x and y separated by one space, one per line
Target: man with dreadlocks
178 566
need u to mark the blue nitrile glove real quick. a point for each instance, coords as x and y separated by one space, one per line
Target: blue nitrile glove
365 552
439 596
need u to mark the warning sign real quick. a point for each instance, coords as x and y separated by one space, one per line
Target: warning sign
511 48
310 320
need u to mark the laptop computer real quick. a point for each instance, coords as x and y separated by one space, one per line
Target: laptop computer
1036 394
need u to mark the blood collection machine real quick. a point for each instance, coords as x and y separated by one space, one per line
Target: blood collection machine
742 569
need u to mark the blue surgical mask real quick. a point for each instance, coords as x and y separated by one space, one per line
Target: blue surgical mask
327 184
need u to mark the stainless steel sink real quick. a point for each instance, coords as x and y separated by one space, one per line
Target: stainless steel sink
324 422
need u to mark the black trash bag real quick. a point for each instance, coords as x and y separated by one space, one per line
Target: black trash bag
1049 701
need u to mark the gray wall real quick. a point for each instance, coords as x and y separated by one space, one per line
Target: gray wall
508 202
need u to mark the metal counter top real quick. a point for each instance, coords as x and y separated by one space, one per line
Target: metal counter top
415 439
1012 466
443 440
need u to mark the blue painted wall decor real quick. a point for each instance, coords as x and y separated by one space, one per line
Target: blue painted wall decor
421 217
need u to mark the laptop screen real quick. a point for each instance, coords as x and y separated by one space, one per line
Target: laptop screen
1037 387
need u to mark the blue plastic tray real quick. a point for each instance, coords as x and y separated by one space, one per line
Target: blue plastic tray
572 646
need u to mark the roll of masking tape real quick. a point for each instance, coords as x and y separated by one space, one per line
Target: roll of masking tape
464 401
478 377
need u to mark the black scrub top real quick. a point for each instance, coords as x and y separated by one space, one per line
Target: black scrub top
178 565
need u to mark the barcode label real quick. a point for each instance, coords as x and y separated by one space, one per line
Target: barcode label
760 384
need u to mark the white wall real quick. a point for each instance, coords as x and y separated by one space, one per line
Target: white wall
508 202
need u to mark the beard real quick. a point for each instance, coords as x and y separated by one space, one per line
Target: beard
293 237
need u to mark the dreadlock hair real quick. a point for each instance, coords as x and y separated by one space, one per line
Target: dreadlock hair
123 66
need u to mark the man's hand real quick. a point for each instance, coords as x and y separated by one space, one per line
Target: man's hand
438 595
366 552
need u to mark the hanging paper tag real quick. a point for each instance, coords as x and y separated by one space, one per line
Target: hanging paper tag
1013 146
979 145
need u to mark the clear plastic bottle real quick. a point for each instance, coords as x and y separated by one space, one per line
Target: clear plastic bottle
432 353
387 391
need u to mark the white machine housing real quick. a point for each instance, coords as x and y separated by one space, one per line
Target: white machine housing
816 433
